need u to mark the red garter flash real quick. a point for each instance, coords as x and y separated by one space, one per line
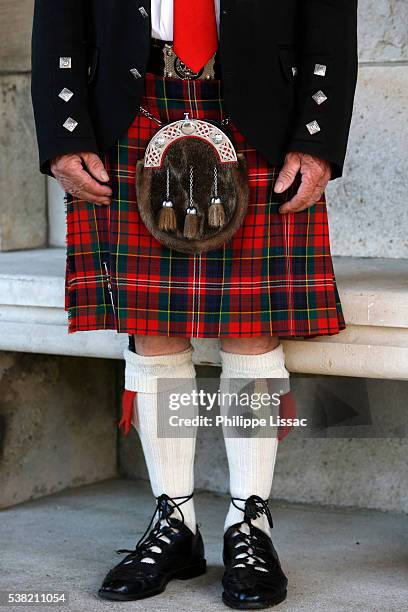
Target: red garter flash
128 399
287 410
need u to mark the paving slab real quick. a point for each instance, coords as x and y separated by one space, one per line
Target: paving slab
336 560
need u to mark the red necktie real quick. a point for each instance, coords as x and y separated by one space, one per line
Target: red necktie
195 32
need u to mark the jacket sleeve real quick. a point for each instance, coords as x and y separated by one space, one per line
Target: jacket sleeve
60 80
327 74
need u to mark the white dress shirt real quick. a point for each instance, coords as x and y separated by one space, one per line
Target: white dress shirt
162 18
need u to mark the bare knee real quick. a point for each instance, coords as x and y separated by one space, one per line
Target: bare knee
250 346
160 345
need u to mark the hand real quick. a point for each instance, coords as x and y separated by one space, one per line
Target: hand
74 179
315 173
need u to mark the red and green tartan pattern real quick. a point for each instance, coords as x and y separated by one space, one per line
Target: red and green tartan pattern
274 278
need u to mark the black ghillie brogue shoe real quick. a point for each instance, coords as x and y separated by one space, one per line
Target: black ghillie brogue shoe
253 577
171 550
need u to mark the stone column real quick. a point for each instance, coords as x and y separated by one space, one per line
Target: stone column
23 220
368 207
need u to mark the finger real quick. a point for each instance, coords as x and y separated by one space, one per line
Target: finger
317 195
71 170
320 189
85 196
302 199
297 204
95 166
288 173
89 184
80 180
302 208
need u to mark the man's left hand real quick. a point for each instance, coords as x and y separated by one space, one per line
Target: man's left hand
316 173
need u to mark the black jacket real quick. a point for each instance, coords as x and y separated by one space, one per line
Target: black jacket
262 42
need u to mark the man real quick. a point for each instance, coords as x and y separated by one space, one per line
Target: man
284 76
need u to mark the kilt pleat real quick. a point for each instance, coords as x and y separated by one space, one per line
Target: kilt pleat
275 277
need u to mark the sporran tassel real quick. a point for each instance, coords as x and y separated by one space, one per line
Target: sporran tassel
191 223
191 220
167 217
167 221
216 212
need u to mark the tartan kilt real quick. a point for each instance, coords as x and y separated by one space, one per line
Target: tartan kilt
275 277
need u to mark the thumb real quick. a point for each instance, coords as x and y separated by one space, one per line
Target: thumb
95 166
288 173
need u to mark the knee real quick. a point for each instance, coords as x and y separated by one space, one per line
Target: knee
160 345
250 346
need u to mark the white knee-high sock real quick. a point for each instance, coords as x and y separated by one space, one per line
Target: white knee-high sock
169 460
251 460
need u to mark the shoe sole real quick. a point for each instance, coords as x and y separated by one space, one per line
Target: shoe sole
239 605
183 574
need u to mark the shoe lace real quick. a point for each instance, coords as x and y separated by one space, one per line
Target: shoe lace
152 539
249 552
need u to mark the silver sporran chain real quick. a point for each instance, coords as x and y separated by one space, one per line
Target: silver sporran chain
149 115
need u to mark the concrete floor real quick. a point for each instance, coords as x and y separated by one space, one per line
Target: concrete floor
336 560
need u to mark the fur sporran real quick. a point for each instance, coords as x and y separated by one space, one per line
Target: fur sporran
192 187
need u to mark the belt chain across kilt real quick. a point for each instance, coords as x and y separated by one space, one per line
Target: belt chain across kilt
275 277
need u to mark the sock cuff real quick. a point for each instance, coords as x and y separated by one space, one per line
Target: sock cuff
143 371
265 365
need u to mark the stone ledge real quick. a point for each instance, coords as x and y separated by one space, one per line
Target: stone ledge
374 293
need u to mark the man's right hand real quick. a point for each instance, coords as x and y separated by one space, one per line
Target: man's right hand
79 181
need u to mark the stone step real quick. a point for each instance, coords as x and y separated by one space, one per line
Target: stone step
374 294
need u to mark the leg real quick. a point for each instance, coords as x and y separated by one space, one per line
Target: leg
169 460
251 459
249 346
160 345
247 540
174 547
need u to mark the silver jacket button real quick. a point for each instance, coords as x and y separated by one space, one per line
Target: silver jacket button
320 70
65 62
319 97
313 127
136 73
70 124
65 94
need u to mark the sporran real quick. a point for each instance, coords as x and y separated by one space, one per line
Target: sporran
192 186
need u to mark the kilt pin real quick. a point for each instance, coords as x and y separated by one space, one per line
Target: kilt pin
275 277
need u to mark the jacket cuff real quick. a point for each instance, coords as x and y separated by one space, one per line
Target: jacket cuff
78 145
319 150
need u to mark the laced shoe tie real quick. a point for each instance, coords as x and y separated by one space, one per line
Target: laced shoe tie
250 551
152 544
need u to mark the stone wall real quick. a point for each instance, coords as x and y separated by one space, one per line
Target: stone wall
57 424
23 213
15 27
368 207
